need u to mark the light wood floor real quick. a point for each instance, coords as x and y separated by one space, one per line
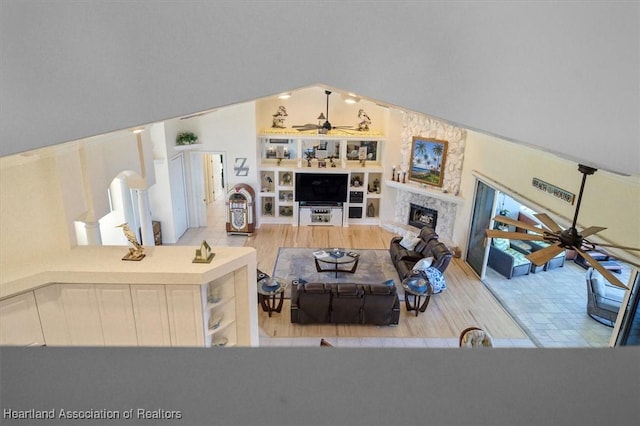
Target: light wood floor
466 302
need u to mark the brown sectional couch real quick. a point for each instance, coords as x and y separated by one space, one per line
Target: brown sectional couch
348 303
429 246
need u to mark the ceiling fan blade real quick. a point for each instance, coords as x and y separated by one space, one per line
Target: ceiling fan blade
548 222
591 230
598 267
303 126
517 224
618 247
540 257
496 233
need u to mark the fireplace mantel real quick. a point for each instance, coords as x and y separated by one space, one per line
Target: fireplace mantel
425 190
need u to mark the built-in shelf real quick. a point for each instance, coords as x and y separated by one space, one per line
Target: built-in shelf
187 147
425 190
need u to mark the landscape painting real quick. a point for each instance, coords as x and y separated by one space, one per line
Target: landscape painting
427 160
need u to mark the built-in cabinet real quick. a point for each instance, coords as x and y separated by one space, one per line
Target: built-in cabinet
365 189
184 306
277 195
69 315
163 300
151 315
129 315
116 315
20 321
282 158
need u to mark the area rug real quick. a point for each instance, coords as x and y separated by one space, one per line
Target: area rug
374 267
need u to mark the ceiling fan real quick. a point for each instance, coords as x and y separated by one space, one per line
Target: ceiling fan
326 126
558 238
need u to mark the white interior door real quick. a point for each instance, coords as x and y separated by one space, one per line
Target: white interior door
217 176
178 195
198 188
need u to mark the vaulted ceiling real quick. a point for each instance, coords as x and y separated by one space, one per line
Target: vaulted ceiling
564 77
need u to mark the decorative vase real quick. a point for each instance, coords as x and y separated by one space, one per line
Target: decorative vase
371 210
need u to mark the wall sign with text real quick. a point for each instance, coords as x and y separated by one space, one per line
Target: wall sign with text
560 193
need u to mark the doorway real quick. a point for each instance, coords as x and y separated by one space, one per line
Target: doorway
208 184
213 177
483 208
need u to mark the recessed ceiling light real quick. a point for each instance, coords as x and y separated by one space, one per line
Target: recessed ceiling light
352 99
136 131
286 95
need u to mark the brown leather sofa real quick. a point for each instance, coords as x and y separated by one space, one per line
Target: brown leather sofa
348 303
429 246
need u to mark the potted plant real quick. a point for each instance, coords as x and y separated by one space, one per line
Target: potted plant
186 138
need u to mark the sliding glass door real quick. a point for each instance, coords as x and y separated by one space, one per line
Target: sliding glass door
481 219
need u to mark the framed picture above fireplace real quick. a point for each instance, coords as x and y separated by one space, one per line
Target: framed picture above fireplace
428 157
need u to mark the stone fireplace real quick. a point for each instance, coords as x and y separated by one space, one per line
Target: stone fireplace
443 201
414 210
420 216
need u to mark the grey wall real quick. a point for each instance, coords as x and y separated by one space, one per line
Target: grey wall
561 76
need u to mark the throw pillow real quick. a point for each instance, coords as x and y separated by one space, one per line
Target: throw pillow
423 263
501 243
409 241
597 282
436 279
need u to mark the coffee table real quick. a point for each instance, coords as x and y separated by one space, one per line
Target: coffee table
336 260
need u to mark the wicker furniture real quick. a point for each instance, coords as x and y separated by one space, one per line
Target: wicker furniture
603 299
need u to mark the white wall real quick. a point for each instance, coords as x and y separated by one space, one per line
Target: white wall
72 187
231 130
43 192
160 200
391 155
33 222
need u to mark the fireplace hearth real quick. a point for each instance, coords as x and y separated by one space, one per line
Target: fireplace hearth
420 216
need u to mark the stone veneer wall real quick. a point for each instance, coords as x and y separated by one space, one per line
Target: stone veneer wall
446 211
420 125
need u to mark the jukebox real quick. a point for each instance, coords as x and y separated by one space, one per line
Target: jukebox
240 210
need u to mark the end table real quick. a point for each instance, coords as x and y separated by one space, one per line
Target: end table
271 294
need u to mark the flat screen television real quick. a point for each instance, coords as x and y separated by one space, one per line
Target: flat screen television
321 187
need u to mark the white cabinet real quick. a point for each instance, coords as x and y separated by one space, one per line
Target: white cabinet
276 203
69 315
116 315
150 313
321 216
365 186
184 306
276 200
20 322
95 308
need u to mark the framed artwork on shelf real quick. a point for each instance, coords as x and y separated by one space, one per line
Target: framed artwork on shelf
428 158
